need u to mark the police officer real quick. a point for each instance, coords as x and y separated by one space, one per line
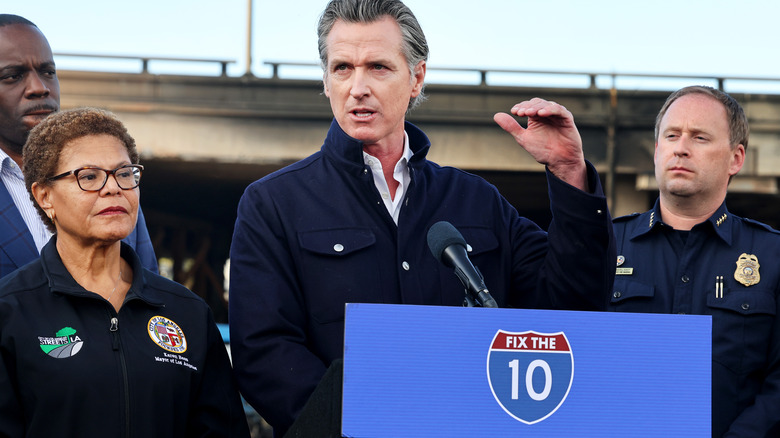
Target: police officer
689 254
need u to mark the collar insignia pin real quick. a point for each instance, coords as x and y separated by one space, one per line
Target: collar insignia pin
623 271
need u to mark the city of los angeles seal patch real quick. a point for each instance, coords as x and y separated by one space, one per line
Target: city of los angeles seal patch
167 334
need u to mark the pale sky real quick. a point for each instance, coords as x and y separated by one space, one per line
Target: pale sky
707 38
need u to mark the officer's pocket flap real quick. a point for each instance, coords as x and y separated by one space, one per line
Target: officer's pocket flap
336 242
626 290
746 302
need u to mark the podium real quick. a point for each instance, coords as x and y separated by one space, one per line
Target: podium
421 371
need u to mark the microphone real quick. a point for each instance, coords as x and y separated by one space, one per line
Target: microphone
449 247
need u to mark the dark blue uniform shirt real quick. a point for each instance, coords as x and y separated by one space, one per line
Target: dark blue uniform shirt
726 267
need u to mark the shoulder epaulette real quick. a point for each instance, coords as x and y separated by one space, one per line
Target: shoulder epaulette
626 217
761 225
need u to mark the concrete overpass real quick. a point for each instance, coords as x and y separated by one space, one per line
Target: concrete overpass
203 139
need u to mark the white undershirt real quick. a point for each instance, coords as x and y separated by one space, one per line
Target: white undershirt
13 179
400 174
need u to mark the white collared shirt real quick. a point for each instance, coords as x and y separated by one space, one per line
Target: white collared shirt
400 174
13 179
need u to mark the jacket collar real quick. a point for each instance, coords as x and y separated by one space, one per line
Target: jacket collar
61 281
650 221
348 152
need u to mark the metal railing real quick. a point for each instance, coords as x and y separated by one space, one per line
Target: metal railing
592 78
146 59
609 80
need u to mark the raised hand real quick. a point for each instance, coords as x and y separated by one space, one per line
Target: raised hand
551 137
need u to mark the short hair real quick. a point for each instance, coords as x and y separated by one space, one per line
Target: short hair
414 47
7 19
41 152
739 130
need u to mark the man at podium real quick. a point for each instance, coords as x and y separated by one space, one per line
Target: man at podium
689 254
349 223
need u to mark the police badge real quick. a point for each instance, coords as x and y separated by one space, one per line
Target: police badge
747 270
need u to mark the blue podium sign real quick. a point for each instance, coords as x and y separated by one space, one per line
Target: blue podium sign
471 372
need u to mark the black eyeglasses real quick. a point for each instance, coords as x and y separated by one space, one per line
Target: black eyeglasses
93 179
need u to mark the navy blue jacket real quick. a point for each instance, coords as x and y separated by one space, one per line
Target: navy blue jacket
672 276
316 235
71 366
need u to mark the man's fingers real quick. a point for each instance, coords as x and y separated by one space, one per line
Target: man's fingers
508 124
540 107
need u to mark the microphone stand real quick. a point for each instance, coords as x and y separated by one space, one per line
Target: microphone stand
480 298
483 300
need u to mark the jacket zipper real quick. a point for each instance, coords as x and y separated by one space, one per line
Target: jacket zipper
114 329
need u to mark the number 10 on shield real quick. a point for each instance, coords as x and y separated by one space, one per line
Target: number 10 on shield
530 373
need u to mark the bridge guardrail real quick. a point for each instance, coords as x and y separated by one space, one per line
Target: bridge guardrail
492 76
146 59
593 79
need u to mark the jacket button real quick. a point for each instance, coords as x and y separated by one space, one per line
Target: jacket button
338 247
617 294
685 278
745 306
405 265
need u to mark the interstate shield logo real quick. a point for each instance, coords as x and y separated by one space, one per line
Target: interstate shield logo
530 373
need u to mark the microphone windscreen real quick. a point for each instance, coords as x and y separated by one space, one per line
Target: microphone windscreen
441 235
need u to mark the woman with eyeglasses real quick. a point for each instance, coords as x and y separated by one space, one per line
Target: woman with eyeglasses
91 343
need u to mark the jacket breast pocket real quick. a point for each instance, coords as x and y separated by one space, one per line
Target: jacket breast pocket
480 240
481 245
742 324
338 266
